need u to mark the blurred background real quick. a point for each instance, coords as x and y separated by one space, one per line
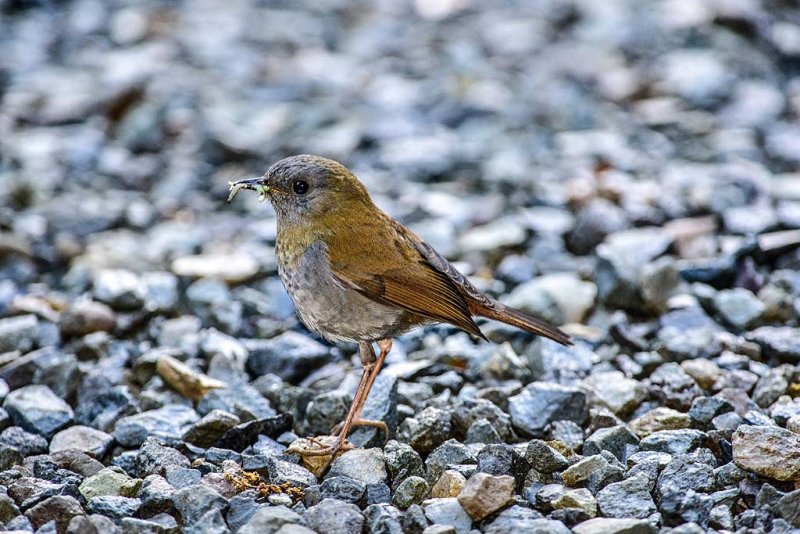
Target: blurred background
120 124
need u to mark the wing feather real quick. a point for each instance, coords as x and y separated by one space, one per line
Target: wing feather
418 288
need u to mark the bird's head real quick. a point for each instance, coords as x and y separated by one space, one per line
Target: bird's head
305 188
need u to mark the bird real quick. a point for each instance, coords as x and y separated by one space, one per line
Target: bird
357 275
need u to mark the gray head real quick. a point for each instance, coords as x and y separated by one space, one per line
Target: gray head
305 187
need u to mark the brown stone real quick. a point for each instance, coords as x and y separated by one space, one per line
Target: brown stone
772 452
484 494
449 485
60 508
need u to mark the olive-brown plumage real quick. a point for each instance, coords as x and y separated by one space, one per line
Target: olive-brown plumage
356 274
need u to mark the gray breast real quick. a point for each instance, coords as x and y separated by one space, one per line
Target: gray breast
334 311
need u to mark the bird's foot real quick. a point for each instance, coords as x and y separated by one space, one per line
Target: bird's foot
380 425
319 452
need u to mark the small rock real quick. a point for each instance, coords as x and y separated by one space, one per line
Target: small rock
85 316
705 372
560 298
500 233
543 458
621 261
674 386
607 525
192 502
154 458
281 471
704 409
25 442
83 438
769 451
449 454
180 477
331 516
120 289
598 219
110 481
38 410
113 506
772 385
427 430
381 405
158 524
468 411
233 268
184 380
411 491
449 484
482 431
162 291
365 465
210 428
402 461
169 422
9 457
156 495
567 432
18 333
721 518
383 519
242 400
788 507
580 471
518 519
501 459
541 403
738 307
291 355
612 389
270 519
780 342
447 512
618 440
674 442
659 419
59 508
414 519
679 488
629 498
93 523
102 409
749 219
577 498
484 494
344 489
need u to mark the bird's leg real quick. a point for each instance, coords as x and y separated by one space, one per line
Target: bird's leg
368 361
385 345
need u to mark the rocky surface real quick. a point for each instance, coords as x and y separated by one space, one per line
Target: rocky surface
627 170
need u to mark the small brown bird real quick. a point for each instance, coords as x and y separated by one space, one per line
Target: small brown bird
355 274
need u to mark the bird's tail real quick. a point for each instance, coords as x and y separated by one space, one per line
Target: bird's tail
520 319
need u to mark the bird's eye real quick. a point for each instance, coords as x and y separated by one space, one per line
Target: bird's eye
300 187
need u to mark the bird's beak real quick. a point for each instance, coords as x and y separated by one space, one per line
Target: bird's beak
259 185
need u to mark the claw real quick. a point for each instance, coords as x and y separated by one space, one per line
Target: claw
380 425
319 452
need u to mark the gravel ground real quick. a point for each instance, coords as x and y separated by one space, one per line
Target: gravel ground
628 169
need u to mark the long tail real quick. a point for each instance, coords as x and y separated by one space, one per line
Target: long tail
514 317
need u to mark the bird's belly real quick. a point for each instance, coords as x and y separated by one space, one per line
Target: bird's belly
336 312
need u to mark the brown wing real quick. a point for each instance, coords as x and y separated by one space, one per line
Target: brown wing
397 274
480 304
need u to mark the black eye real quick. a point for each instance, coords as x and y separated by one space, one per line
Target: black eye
300 187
